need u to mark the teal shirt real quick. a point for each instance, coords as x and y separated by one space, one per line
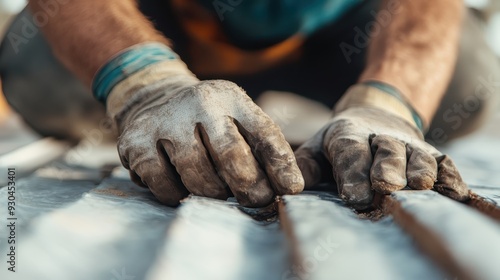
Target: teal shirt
256 23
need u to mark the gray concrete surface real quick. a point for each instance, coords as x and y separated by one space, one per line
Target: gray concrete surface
76 220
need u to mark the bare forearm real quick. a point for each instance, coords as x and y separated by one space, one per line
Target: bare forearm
416 52
84 34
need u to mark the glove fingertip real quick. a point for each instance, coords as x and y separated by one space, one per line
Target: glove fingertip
420 180
458 192
385 187
358 195
292 184
449 182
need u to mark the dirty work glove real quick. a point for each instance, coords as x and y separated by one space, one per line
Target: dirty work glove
179 135
374 143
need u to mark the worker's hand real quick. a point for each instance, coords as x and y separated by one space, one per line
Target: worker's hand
376 148
208 138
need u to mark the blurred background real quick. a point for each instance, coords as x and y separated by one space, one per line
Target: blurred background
8 8
12 128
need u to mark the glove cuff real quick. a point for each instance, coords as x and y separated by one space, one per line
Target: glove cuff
167 77
382 96
127 63
138 72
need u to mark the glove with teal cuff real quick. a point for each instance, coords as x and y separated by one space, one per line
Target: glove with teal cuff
375 143
179 135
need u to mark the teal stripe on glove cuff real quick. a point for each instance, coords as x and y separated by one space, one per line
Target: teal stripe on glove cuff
127 63
395 93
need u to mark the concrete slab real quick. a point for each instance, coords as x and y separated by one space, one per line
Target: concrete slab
211 239
460 239
331 242
28 158
37 196
112 231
